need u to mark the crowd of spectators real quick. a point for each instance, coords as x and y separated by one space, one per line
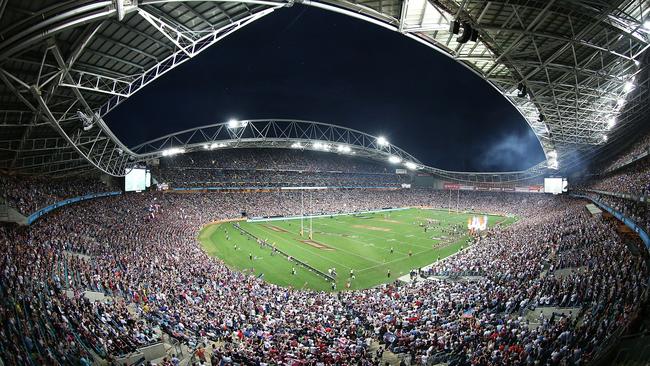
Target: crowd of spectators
275 159
634 151
634 179
29 194
275 167
635 210
141 251
192 178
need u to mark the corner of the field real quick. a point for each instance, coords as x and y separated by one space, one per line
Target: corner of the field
206 231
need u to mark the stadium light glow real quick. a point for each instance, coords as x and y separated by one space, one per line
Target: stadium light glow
343 148
611 122
296 145
214 145
394 159
381 141
620 102
605 138
628 87
173 151
321 146
646 24
233 123
410 165
552 162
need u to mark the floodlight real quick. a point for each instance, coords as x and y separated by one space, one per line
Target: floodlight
233 123
552 154
611 122
321 146
296 145
646 24
381 141
410 165
343 148
394 159
206 146
173 151
605 138
628 87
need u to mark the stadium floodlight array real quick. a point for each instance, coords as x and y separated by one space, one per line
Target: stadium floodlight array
611 122
321 146
233 123
410 165
297 145
214 145
381 141
344 149
394 159
173 151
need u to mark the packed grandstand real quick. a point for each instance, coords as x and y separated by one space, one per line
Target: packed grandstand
139 252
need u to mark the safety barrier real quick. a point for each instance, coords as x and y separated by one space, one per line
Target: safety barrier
633 197
36 215
626 220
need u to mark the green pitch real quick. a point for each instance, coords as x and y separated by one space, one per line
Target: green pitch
369 244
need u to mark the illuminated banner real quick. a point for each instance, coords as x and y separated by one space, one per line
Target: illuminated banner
451 186
457 186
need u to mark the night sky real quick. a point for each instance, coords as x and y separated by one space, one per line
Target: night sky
306 63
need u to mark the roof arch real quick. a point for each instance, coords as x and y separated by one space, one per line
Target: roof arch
308 135
567 66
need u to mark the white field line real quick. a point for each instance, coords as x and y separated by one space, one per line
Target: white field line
316 254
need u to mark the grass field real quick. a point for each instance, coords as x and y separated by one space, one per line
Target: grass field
359 242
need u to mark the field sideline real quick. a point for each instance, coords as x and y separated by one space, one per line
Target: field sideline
360 242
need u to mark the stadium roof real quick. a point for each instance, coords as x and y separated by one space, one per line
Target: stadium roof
574 69
308 135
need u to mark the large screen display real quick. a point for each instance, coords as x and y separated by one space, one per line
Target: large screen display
138 179
555 185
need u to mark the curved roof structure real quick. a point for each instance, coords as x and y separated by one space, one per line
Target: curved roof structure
307 135
575 69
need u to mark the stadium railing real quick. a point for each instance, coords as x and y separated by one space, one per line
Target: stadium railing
632 197
626 220
38 214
